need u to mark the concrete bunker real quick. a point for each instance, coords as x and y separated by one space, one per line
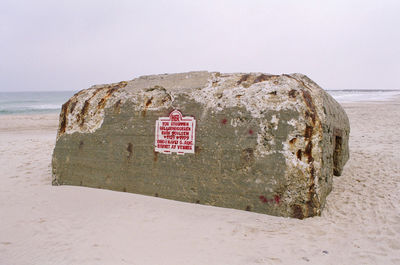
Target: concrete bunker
264 143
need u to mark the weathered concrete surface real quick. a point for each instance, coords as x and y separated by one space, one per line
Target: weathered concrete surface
264 143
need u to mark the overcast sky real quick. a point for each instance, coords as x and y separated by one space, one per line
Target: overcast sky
71 45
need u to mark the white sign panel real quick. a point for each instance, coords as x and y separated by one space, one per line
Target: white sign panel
175 134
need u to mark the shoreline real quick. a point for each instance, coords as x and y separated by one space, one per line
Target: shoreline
45 224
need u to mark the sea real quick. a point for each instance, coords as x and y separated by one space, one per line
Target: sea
33 102
51 102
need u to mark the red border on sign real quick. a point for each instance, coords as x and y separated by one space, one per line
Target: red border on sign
175 134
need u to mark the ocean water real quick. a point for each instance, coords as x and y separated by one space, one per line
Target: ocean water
33 102
344 96
51 102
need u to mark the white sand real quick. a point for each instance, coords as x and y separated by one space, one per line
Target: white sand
42 224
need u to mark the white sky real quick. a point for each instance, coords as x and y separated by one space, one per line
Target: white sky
71 45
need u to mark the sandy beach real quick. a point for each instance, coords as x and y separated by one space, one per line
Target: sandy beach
45 224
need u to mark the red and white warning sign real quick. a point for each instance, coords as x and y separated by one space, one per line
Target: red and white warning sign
175 134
